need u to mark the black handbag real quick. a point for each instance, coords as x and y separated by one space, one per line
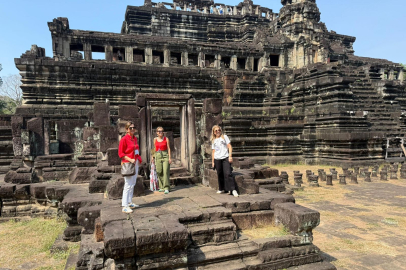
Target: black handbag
128 169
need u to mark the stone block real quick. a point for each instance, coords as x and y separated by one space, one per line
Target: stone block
298 219
87 218
112 157
7 191
128 112
101 113
98 186
119 239
72 233
212 105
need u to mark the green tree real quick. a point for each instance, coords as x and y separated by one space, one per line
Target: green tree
10 94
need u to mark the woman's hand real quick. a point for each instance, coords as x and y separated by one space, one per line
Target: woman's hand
132 161
230 159
170 161
212 164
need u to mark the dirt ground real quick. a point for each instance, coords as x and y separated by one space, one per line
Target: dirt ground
362 226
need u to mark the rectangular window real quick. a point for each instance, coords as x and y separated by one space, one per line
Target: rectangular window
241 63
274 60
98 52
193 59
176 58
225 62
138 56
157 57
118 54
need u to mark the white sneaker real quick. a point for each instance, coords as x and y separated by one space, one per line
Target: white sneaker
235 193
127 210
133 205
220 191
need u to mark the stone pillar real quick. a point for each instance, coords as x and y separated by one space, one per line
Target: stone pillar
87 50
249 63
342 179
148 55
191 129
334 173
205 10
184 60
129 54
167 57
382 72
367 177
217 61
320 172
329 180
298 180
308 173
36 128
356 170
233 62
314 181
375 171
108 49
354 179
402 173
391 75
285 178
394 174
400 75
201 59
235 11
384 176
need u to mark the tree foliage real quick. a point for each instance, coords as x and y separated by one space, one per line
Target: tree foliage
10 94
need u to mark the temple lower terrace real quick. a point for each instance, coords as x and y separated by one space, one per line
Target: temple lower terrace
282 86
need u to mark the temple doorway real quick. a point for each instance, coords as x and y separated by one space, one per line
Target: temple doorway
176 114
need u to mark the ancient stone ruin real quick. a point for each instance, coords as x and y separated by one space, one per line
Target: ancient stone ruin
283 87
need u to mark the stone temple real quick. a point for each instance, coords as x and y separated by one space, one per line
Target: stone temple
283 87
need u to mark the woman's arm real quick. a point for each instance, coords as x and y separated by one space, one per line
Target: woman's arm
212 157
230 152
169 150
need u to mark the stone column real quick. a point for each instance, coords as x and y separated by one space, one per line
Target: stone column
308 173
87 49
314 181
285 178
167 57
384 176
354 179
367 177
394 174
217 61
400 75
342 179
109 53
382 72
184 60
391 75
148 55
249 63
329 180
235 11
129 54
298 180
233 62
334 173
201 59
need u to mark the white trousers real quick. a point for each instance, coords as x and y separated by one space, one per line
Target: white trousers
129 185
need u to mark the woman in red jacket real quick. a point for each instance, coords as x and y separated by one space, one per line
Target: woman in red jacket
128 151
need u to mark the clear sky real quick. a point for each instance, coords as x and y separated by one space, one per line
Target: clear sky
379 25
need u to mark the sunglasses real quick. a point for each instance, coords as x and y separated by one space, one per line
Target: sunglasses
160 131
217 130
131 128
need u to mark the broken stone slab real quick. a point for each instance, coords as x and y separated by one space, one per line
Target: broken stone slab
119 239
298 219
115 187
87 217
91 253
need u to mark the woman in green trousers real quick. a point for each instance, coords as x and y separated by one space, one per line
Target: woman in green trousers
162 159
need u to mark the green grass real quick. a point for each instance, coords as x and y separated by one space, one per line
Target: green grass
30 242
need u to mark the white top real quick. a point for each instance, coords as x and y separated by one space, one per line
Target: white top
220 147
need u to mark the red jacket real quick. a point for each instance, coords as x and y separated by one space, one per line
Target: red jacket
127 148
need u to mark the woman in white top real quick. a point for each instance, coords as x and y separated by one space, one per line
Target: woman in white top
221 159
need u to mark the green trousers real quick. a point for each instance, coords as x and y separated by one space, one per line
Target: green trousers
162 169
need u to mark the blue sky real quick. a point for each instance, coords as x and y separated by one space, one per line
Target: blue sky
378 25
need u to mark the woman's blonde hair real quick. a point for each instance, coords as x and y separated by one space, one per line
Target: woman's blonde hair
213 134
128 125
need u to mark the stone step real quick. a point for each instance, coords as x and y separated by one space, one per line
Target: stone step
269 181
212 232
181 180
